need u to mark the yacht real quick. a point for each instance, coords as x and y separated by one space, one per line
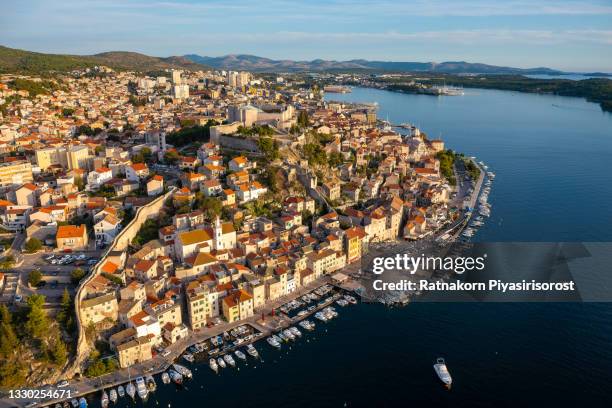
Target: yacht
121 391
82 403
165 378
151 384
184 371
252 351
296 332
141 388
130 389
442 371
240 354
288 334
175 376
221 362
188 357
112 394
320 316
229 360
281 337
213 365
273 342
342 302
104 399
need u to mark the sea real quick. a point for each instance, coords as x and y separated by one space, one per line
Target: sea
553 159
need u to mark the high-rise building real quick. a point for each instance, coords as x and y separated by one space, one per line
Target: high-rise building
181 91
78 157
15 172
176 77
51 156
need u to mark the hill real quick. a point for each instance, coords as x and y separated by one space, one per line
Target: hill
255 63
20 61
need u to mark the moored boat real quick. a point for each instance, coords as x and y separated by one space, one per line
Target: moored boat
74 402
296 332
141 388
185 372
104 399
151 384
130 389
252 351
82 403
288 334
240 354
189 357
221 362
229 360
121 391
112 395
273 342
442 372
175 377
213 365
165 378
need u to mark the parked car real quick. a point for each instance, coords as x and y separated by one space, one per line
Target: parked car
62 384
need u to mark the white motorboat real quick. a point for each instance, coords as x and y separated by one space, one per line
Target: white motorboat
442 372
165 378
151 384
229 360
184 371
321 316
112 395
74 402
221 362
287 333
252 351
296 332
273 342
141 388
213 365
189 357
130 389
104 399
240 354
342 302
350 299
175 376
121 391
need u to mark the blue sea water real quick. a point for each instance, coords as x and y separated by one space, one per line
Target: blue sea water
553 160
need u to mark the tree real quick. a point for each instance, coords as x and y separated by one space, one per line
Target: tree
35 277
80 183
8 338
37 323
172 157
211 206
59 355
269 147
302 118
32 245
335 159
64 316
76 275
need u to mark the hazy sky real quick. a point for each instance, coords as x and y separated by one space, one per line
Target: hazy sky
562 34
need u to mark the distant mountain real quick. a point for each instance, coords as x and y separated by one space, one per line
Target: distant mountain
254 63
14 60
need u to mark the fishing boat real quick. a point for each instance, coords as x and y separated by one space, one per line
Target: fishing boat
165 378
252 351
240 354
175 376
185 372
296 332
112 394
442 372
213 365
82 403
151 384
74 402
288 334
104 399
189 357
130 389
273 342
221 362
141 388
121 391
229 360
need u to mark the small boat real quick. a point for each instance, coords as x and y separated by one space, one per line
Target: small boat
213 351
192 349
321 316
221 362
296 332
112 394
287 333
342 302
282 337
82 403
273 342
74 402
151 384
442 371
213 365
175 376
66 404
350 299
141 388
130 389
165 378
104 399
58 405
240 354
185 372
188 357
229 360
121 391
252 351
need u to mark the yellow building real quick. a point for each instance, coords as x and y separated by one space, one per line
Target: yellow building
78 157
237 306
15 172
99 308
353 243
72 237
134 351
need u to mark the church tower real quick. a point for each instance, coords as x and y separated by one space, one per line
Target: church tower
218 241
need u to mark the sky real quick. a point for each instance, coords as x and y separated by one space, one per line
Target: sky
560 34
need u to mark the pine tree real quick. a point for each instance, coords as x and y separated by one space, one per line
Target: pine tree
59 355
8 338
37 323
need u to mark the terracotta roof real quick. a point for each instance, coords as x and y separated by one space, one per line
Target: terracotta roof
71 231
